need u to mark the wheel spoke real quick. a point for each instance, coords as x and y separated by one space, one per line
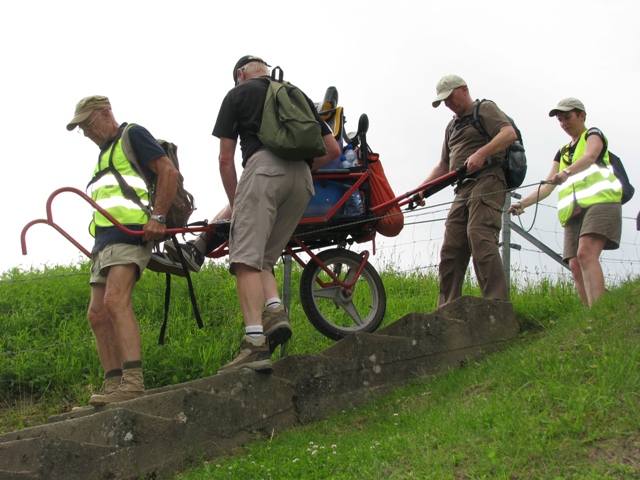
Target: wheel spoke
351 309
328 292
330 309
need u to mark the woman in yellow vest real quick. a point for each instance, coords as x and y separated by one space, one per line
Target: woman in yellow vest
589 199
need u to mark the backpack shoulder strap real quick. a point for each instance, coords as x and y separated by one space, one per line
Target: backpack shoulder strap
128 191
130 153
476 121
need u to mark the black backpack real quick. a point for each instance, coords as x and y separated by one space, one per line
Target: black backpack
515 160
621 175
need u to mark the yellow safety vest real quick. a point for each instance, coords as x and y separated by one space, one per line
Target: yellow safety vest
106 192
597 184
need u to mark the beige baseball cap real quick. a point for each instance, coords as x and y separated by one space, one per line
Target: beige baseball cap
446 86
85 107
566 105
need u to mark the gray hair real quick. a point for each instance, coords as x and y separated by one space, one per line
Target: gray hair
253 67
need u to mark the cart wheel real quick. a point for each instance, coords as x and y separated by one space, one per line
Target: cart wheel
329 308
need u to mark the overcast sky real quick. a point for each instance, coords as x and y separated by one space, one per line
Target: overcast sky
167 65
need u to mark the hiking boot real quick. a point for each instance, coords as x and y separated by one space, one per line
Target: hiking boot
163 263
254 354
132 386
275 322
192 256
109 386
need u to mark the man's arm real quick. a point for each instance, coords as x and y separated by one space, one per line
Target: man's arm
228 168
505 137
166 184
442 168
333 152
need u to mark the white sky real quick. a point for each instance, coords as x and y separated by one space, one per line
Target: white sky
167 65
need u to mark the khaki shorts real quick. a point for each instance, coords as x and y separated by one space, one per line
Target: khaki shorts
271 197
119 254
603 219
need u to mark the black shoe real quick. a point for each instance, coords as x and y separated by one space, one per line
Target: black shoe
192 256
163 263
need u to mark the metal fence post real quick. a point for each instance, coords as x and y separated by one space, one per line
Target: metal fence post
286 293
506 241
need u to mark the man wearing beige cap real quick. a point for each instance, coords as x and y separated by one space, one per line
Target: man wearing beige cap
475 218
589 199
118 259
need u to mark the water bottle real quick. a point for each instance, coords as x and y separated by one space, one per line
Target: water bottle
350 156
353 206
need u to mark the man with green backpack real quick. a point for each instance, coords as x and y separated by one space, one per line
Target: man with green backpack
269 198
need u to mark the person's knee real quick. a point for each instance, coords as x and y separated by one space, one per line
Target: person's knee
483 241
115 303
243 268
98 319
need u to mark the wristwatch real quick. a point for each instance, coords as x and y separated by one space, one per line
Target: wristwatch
158 218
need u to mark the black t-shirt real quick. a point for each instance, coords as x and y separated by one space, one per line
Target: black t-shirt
241 115
147 149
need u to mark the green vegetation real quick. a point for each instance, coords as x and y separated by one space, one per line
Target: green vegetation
563 401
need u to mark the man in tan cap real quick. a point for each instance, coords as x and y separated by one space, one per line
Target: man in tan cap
589 199
118 259
475 218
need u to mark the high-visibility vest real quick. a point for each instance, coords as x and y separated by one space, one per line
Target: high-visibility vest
106 192
597 184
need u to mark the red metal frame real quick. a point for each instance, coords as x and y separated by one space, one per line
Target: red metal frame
360 177
49 221
336 281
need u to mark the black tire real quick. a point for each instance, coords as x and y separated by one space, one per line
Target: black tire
329 309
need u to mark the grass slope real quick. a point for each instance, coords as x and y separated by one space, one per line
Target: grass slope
560 402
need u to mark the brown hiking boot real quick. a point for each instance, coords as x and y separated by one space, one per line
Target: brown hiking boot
254 354
132 386
109 386
275 322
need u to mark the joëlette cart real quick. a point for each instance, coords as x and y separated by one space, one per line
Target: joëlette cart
340 291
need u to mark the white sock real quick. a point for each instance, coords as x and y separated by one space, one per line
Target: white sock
273 303
254 331
200 243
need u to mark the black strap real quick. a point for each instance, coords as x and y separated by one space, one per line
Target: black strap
280 74
167 301
475 120
167 293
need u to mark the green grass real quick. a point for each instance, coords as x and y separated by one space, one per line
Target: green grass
562 401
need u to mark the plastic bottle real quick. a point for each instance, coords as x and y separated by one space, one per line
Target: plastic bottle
351 156
353 206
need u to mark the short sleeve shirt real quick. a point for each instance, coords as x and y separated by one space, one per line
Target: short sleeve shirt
461 143
241 115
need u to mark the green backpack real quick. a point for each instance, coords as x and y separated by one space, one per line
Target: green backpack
289 127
